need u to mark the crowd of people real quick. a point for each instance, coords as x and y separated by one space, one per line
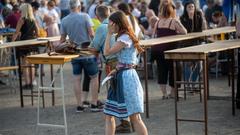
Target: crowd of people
111 30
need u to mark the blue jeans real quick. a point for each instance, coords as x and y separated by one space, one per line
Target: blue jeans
89 65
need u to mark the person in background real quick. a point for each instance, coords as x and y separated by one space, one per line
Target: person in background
219 19
114 3
179 8
78 27
95 21
52 19
164 3
56 7
166 26
154 5
194 21
2 25
86 79
126 99
27 28
97 46
12 19
152 21
43 9
92 7
39 17
135 12
64 7
142 19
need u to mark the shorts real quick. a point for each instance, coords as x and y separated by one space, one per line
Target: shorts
89 65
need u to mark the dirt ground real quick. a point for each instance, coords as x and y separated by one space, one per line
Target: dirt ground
15 120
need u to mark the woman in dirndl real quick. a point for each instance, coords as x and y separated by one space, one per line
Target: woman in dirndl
126 98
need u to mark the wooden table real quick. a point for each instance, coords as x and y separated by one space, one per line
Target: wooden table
200 53
32 42
56 60
168 39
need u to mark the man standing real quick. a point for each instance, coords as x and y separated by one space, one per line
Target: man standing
78 27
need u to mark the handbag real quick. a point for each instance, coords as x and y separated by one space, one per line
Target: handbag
67 47
42 32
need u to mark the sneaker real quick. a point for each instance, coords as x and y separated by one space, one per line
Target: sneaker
86 104
100 103
165 97
124 127
95 108
80 109
34 83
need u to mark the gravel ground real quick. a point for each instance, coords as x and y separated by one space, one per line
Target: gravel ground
22 121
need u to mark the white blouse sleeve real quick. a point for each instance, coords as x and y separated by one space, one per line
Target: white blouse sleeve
126 40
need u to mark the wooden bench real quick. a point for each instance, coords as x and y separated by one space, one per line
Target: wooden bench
8 68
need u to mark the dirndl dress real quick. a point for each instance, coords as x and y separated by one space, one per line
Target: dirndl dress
127 97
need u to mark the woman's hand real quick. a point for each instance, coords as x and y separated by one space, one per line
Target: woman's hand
110 27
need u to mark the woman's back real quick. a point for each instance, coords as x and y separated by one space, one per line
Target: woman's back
164 28
28 29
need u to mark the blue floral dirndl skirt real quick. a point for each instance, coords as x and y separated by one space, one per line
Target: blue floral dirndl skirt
122 100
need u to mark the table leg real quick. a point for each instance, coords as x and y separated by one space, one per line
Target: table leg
238 83
41 84
205 83
176 97
61 88
31 80
233 83
53 94
38 98
63 100
146 83
20 80
207 80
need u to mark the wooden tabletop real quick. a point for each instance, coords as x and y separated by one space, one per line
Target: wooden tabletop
50 39
201 51
23 43
169 39
175 38
227 29
46 59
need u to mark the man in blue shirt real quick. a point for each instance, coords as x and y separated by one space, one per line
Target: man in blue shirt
78 27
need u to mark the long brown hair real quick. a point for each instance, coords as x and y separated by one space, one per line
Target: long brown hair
167 11
126 9
120 19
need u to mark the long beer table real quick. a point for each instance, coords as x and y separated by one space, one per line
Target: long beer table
52 60
168 39
200 53
24 43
